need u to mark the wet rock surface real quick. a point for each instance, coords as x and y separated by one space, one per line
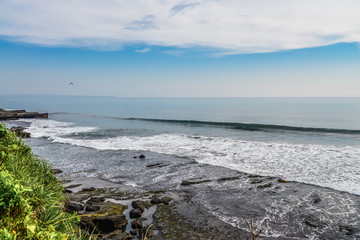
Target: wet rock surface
212 210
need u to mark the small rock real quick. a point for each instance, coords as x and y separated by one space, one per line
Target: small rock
309 223
159 165
133 232
148 204
137 224
135 213
66 190
188 182
90 189
92 208
138 204
227 178
166 200
256 181
73 186
265 185
315 198
349 230
142 156
56 171
254 176
78 197
312 221
95 200
72 206
282 180
155 201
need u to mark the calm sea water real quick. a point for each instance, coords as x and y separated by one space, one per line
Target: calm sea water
310 140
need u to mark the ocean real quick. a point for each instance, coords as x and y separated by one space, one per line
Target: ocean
308 141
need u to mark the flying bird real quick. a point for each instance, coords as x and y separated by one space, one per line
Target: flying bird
71 83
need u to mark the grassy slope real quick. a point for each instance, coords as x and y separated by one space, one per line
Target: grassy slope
31 197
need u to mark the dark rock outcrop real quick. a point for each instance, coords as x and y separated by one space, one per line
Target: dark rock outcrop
265 185
135 213
166 200
20 132
138 204
228 178
17 114
156 201
92 208
347 229
156 165
189 182
95 200
73 207
108 224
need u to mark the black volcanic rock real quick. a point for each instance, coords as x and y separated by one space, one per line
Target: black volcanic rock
17 114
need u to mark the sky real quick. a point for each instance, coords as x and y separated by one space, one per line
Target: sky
177 48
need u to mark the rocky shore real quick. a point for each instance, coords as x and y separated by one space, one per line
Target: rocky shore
112 213
6 115
18 114
121 211
138 194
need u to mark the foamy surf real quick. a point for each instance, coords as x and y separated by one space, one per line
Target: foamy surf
322 165
51 129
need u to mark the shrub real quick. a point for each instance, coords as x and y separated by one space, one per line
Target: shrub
31 199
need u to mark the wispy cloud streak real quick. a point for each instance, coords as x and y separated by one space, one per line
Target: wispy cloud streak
144 50
268 26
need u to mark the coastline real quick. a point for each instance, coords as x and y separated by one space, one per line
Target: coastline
19 114
235 192
186 217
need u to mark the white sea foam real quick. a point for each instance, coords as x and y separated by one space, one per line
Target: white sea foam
326 166
51 129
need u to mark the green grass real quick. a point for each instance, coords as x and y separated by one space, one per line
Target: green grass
31 198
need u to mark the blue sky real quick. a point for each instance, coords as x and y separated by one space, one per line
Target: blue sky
181 48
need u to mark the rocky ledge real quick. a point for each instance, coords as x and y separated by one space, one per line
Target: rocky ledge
114 215
17 114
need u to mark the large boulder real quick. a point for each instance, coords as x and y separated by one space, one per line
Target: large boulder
108 224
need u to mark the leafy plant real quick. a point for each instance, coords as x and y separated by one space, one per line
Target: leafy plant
31 199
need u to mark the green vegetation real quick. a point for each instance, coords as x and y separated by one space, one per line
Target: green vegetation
31 198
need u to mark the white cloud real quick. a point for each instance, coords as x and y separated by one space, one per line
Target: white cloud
144 50
231 26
